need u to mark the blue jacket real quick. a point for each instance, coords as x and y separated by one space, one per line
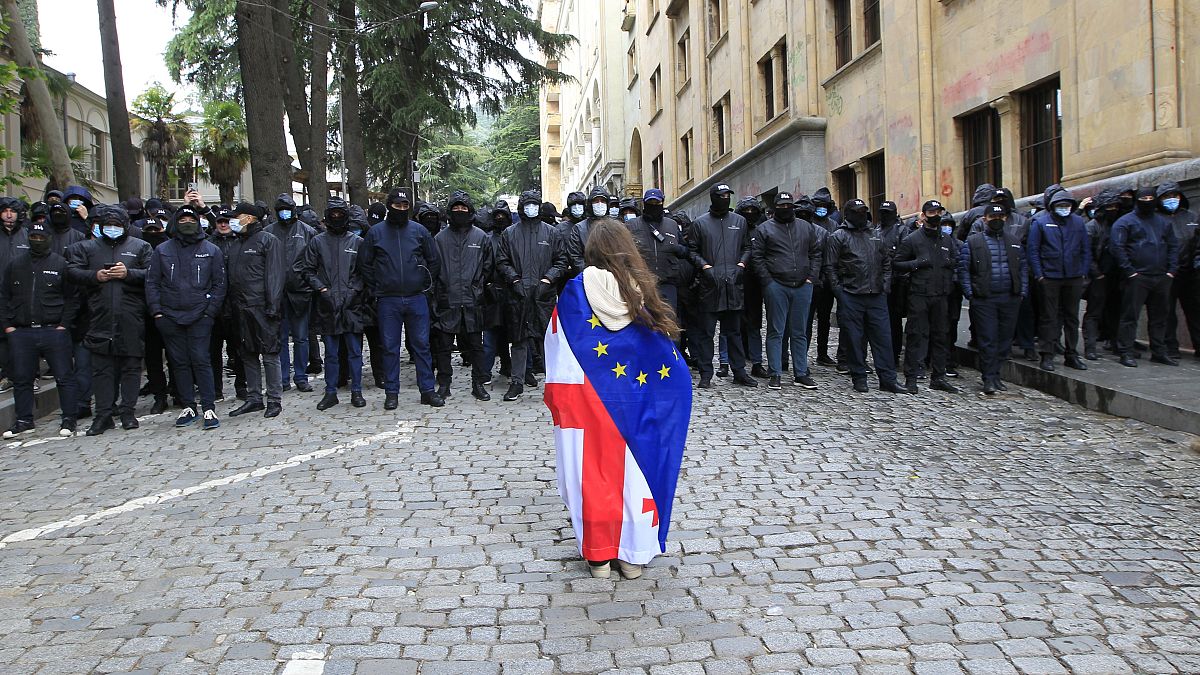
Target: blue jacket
399 260
186 282
1144 244
1058 247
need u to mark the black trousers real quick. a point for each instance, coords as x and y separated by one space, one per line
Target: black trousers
896 311
1102 315
862 320
1183 296
110 372
29 345
1152 291
224 340
187 347
953 315
376 349
731 327
995 321
1060 314
821 309
471 344
156 360
925 335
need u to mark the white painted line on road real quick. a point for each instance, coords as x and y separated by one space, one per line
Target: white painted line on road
402 432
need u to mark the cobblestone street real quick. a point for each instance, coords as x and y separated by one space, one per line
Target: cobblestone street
814 531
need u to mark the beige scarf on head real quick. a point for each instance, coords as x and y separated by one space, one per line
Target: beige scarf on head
604 295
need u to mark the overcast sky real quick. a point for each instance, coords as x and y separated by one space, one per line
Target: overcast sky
70 29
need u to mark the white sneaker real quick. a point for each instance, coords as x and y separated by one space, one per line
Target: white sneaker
629 570
6 385
599 571
186 417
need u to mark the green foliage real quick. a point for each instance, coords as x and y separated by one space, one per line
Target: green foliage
452 161
515 145
203 52
221 143
165 133
36 157
10 101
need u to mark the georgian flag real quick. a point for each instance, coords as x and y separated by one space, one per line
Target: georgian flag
621 402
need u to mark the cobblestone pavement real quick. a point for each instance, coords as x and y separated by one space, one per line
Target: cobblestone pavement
814 531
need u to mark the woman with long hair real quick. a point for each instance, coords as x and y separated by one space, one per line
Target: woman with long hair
621 399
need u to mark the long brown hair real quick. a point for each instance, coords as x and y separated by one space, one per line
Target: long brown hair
610 247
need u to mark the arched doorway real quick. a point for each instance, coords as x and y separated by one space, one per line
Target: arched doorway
633 170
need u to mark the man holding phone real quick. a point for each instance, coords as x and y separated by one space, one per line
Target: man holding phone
111 267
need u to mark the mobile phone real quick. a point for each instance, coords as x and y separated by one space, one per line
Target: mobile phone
109 266
194 187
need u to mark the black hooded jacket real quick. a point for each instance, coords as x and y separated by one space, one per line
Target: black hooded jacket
257 271
1099 230
1183 222
579 234
526 253
35 290
930 261
294 236
15 241
664 249
723 243
186 279
82 194
468 263
329 265
117 307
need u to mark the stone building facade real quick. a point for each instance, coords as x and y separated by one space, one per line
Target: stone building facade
874 98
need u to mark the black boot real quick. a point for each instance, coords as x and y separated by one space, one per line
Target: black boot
910 385
128 421
514 391
530 380
1073 361
740 378
942 385
101 425
479 392
723 371
759 372
1047 363
391 402
159 406
433 399
327 401
443 390
357 400
273 410
247 407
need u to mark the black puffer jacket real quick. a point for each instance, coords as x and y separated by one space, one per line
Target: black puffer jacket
294 237
786 253
664 249
931 262
330 262
528 252
857 261
36 290
723 243
117 308
257 273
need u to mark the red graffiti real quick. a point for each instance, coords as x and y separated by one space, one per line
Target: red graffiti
975 82
947 179
901 124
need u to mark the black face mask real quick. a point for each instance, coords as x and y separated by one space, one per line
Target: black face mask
397 216
1108 214
719 204
39 247
857 218
995 225
933 221
154 237
653 212
887 218
785 214
60 220
460 219
1126 204
1144 207
187 228
337 225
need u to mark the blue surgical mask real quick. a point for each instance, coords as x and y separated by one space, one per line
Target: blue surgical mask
285 214
531 210
1170 204
96 231
946 229
236 226
113 231
614 213
577 210
1062 211
629 216
599 209
821 211
75 204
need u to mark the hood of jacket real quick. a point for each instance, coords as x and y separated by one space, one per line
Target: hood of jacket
529 197
983 194
81 193
1058 194
1169 187
173 230
824 198
1106 197
598 191
358 218
576 198
1046 194
461 197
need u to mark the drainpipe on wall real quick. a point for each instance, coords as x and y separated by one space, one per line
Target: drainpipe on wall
925 97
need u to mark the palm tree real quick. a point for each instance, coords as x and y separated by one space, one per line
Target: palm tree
165 134
222 146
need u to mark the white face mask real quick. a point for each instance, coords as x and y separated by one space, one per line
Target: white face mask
577 210
236 225
532 210
613 213
599 209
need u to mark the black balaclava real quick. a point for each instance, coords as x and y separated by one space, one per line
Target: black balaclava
398 217
888 214
856 214
1145 207
337 216
785 213
460 220
653 211
1125 201
39 240
549 213
60 217
430 218
501 218
719 198
187 231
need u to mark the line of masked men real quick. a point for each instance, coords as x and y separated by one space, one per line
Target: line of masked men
97 289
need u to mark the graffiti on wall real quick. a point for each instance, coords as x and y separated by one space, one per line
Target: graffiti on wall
974 83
